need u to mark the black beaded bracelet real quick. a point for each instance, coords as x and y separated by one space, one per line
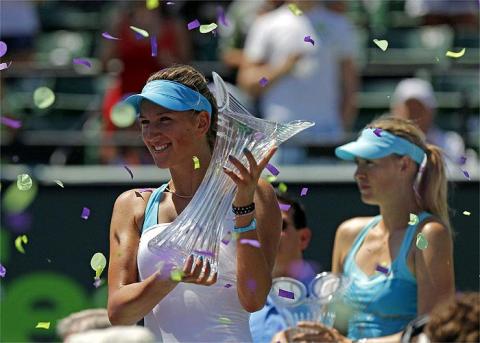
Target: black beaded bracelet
244 209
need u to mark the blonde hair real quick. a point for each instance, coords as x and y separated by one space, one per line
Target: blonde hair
433 186
192 78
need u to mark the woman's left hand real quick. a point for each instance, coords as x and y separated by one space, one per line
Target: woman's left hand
319 333
247 179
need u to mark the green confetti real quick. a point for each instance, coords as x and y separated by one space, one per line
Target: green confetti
422 242
60 183
208 28
123 115
455 54
271 178
294 9
19 241
196 162
140 31
16 201
43 325
98 263
176 275
43 97
224 320
152 4
382 44
282 188
413 219
24 182
466 213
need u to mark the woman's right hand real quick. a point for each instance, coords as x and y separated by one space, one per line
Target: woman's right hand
198 272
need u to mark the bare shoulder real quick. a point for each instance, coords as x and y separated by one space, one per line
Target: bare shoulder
131 205
350 228
436 233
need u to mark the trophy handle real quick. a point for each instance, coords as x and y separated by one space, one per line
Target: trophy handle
221 92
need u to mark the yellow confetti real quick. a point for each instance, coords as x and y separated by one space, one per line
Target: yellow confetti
224 320
466 213
382 44
43 97
208 28
152 4
98 263
176 275
271 178
294 9
413 219
196 162
454 54
43 325
140 31
23 239
282 188
60 183
24 182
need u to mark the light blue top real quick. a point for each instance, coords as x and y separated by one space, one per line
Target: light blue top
151 210
383 304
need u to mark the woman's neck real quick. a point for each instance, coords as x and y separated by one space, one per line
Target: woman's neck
396 213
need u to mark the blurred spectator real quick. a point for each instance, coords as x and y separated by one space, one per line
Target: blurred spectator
294 239
19 25
137 63
414 99
315 82
83 321
124 334
436 12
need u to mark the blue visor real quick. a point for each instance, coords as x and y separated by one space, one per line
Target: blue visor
172 95
369 146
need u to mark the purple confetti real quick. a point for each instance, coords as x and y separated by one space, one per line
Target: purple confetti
221 16
129 171
19 222
467 175
3 271
462 160
5 65
153 44
378 132
82 61
272 169
109 36
193 24
228 285
285 294
263 81
143 190
3 48
309 39
304 191
253 242
381 269
15 124
252 285
204 252
85 213
226 239
258 136
284 207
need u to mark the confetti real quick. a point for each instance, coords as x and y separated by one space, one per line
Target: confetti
3 48
228 285
129 171
170 3
263 81
304 192
285 294
146 190
85 213
378 132
14 124
16 201
43 97
208 28
271 178
97 283
154 46
381 269
227 237
176 275
109 36
282 188
422 242
82 61
221 16
24 182
382 44
224 320
294 9
309 39
466 213
141 32
453 54
467 175
60 183
5 65
98 263
196 162
123 115
272 169
204 252
253 242
193 24
43 325
19 241
152 4
462 160
284 207
3 271
413 219
258 136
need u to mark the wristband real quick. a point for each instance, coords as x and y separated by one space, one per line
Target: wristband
249 227
243 209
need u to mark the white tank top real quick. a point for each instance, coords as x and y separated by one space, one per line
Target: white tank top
194 313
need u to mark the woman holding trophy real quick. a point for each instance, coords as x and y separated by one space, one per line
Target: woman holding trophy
178 118
400 263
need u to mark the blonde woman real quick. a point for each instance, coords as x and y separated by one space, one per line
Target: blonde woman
393 279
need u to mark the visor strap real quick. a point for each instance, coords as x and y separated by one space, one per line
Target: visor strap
418 178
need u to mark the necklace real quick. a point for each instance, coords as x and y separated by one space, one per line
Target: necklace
168 190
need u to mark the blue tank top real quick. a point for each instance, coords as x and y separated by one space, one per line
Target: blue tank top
382 304
151 210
